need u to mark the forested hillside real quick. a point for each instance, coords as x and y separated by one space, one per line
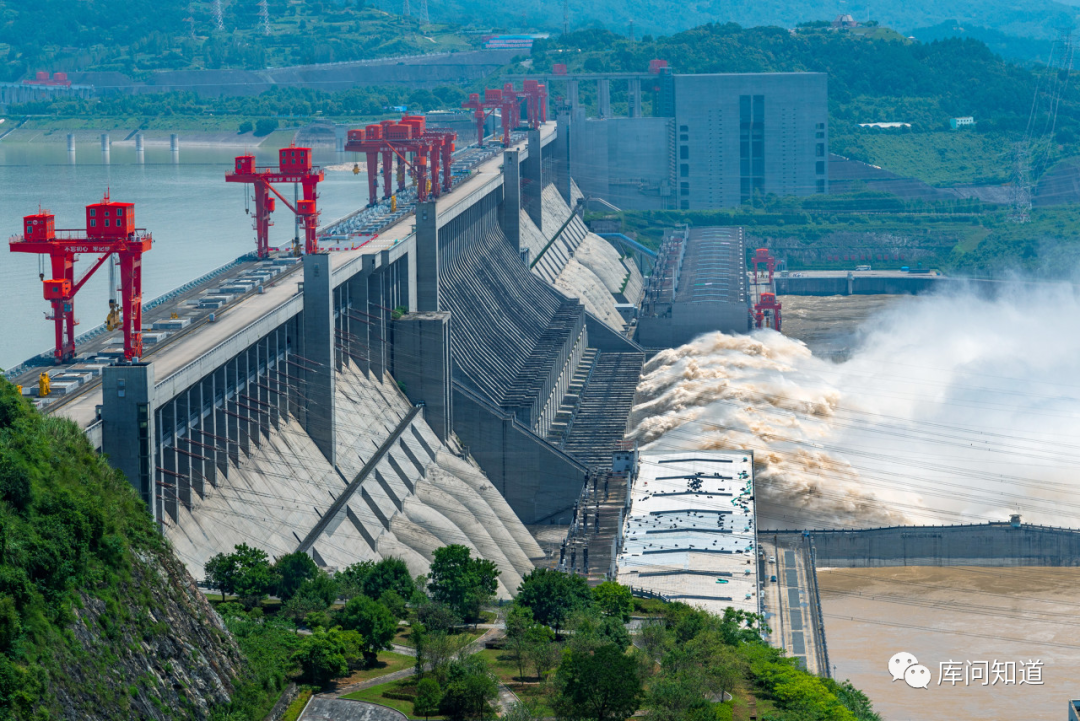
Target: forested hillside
870 78
1031 18
97 619
138 36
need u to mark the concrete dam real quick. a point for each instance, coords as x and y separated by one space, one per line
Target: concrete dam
459 376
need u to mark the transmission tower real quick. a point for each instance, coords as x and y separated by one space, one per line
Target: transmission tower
425 19
566 17
405 10
218 16
264 15
1033 154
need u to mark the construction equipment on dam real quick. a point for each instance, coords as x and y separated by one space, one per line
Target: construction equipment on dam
294 166
110 230
414 146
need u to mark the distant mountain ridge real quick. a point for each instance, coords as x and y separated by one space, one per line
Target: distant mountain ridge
1032 18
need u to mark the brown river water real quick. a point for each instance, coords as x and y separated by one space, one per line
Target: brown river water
965 615
969 616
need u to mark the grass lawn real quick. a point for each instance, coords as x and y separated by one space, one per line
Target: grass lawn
375 695
388 662
941 158
502 664
297 706
404 635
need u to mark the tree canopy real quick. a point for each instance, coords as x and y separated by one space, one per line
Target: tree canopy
461 582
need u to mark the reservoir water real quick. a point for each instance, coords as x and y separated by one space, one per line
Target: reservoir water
197 220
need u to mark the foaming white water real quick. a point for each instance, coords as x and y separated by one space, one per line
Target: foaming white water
952 409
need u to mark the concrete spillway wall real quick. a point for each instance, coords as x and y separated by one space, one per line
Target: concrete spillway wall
993 544
860 285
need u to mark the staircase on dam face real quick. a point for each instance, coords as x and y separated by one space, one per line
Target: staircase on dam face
568 408
600 422
596 527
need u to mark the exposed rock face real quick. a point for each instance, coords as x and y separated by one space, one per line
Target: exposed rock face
157 650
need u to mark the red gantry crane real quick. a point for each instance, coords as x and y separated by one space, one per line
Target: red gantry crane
294 166
110 228
415 146
508 102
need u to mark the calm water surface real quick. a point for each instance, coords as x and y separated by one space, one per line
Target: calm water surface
197 220
963 615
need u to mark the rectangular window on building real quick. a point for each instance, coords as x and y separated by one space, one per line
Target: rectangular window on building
821 186
93 223
819 134
819 151
93 212
821 167
684 137
684 128
684 152
684 204
106 222
821 126
684 171
684 188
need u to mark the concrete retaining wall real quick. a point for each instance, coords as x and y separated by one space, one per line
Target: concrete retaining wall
993 544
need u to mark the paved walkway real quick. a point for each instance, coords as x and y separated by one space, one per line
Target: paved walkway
335 709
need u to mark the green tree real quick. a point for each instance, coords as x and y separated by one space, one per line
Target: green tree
614 600
351 578
254 576
395 604
428 698
553 596
602 684
321 586
438 616
245 127
470 688
519 622
292 570
543 653
265 126
680 697
299 607
389 574
461 582
372 619
321 657
221 573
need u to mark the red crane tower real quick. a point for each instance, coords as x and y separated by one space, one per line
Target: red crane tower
110 228
762 256
294 166
508 102
767 312
415 146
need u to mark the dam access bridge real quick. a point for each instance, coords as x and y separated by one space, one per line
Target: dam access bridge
433 386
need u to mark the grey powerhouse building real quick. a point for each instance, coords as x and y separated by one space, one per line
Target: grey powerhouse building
714 141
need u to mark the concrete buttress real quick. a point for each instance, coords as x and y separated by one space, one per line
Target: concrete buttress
318 354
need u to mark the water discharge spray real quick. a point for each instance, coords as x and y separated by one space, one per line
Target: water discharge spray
952 408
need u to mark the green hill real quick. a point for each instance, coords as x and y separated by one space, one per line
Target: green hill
139 36
1029 50
1032 18
873 77
97 619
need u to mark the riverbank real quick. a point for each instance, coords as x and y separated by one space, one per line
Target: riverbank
218 131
